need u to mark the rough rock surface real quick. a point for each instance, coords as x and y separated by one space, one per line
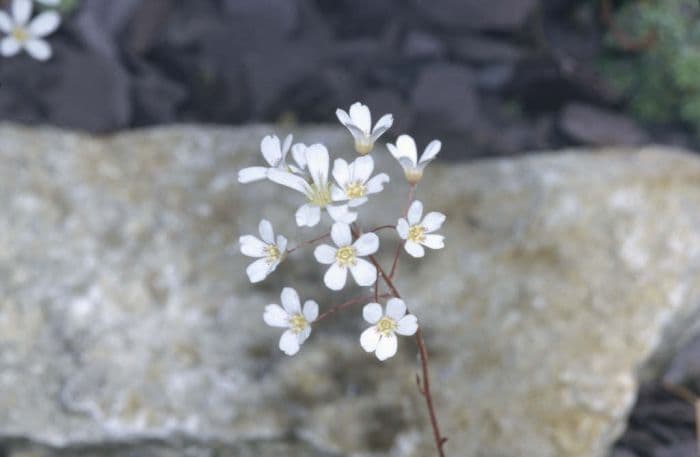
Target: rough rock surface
127 326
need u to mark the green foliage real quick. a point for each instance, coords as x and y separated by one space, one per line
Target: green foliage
662 77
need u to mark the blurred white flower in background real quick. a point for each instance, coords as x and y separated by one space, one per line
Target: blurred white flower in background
347 257
406 153
353 180
380 338
23 34
270 251
359 122
417 233
291 316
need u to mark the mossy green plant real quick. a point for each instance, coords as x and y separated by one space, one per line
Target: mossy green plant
661 75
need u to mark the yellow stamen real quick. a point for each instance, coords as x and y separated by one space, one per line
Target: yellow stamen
416 233
346 256
297 323
386 326
355 190
319 195
272 253
20 34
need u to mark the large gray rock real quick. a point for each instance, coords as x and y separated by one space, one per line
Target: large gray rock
127 326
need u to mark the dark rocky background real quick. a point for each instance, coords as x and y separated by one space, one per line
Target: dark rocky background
489 78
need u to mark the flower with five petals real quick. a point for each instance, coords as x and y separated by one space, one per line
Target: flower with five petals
380 338
346 256
293 317
359 122
418 233
406 153
269 250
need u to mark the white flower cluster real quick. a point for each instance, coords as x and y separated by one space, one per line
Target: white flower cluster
22 32
340 190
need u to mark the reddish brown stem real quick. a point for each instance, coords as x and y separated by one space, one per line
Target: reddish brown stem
383 227
308 243
346 304
423 351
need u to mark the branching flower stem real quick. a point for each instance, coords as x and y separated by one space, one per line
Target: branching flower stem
309 242
424 386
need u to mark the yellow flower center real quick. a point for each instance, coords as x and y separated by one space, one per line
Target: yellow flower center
20 34
345 256
319 195
386 326
297 323
272 253
416 233
413 175
355 190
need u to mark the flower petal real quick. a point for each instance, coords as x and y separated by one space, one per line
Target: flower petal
434 241
9 46
287 179
39 49
290 300
299 155
402 228
286 145
407 148
386 348
281 243
372 312
407 326
304 335
432 221
361 117
317 162
415 211
362 168
335 277
258 270
367 244
395 308
5 22
308 215
325 254
369 339
376 184
338 194
340 234
44 24
310 311
275 316
251 174
266 231
252 246
383 124
355 202
343 117
341 172
289 343
431 151
414 249
365 273
21 11
271 150
341 213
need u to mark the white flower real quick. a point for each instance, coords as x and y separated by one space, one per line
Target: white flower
380 338
353 180
359 123
417 233
291 316
317 190
275 154
23 34
270 251
346 256
405 152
